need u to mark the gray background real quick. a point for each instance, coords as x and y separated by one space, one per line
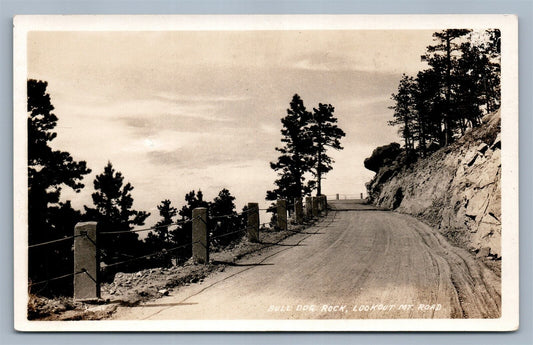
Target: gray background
9 8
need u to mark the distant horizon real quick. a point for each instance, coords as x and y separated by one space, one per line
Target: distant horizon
176 111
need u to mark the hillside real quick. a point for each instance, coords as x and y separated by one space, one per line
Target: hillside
456 189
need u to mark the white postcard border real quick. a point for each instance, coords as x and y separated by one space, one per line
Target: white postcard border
508 25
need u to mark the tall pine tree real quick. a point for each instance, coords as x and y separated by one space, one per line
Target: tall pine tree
48 171
405 115
443 57
325 134
296 157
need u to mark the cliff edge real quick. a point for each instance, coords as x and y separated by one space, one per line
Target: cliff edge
456 189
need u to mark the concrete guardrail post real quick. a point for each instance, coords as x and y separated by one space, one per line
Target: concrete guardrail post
308 207
361 195
86 265
315 206
320 201
337 196
282 214
253 222
298 211
200 236
325 204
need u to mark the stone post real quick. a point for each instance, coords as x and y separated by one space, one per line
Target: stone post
298 211
320 202
337 196
361 195
200 236
325 204
86 283
282 214
315 206
308 207
253 222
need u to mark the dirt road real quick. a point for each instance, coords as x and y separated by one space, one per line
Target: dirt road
357 263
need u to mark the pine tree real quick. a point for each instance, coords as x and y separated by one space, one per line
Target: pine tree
461 85
225 220
429 108
48 171
325 134
491 78
113 211
405 114
296 157
160 238
443 58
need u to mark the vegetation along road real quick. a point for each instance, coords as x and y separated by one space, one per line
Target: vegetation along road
357 263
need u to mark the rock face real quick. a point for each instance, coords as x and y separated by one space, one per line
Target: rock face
456 189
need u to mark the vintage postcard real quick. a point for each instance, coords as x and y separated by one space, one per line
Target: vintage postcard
266 173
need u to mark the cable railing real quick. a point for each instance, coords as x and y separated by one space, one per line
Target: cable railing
219 230
52 241
159 252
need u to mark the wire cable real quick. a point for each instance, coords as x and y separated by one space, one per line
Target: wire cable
53 241
149 255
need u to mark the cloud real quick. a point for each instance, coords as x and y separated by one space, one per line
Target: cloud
200 98
324 62
176 111
201 151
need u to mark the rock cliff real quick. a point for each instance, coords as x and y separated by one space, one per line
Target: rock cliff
456 189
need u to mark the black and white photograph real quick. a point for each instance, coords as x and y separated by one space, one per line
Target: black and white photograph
266 173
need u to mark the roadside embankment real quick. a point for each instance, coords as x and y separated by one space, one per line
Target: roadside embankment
456 190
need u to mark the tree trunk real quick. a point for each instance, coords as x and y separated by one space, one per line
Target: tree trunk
448 91
319 174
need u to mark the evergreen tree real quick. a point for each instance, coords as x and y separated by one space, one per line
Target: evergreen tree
160 238
113 211
225 220
296 155
429 108
405 114
491 78
460 86
48 171
325 134
443 57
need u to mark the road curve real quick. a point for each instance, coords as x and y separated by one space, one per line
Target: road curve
358 263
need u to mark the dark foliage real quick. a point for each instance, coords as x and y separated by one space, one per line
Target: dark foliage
307 137
48 171
160 239
297 155
461 85
325 134
113 212
225 224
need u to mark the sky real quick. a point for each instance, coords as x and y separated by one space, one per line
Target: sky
178 111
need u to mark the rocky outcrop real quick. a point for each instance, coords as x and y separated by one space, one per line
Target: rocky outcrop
456 189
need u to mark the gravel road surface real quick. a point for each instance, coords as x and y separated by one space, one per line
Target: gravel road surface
357 263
